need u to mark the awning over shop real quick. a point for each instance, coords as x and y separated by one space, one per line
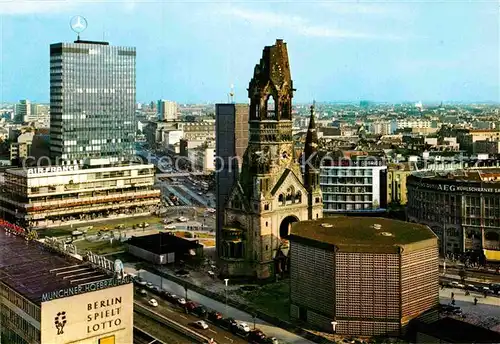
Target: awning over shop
492 255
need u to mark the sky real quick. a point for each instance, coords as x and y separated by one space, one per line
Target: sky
192 51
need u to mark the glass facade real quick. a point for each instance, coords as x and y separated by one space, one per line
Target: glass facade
92 101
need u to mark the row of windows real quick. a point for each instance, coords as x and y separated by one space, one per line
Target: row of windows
21 302
345 172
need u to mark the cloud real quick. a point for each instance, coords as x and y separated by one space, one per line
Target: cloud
23 7
356 7
20 7
298 24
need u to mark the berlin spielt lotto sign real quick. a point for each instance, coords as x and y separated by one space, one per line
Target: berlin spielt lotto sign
78 24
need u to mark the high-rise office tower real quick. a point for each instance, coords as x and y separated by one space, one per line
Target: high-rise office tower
167 110
231 141
92 102
23 111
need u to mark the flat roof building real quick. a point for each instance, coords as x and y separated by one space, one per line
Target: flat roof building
50 196
369 275
462 207
163 248
50 297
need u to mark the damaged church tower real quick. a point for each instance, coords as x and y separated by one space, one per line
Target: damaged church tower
271 193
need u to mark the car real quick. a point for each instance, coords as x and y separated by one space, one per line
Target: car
256 336
214 316
149 285
270 340
168 221
190 305
201 324
243 327
457 285
200 311
170 297
169 227
486 290
182 219
153 303
143 292
495 287
471 287
228 323
141 281
181 301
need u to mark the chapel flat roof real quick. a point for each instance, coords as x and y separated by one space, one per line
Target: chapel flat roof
33 269
363 234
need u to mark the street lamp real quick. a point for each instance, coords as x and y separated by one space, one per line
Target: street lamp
334 326
226 280
254 316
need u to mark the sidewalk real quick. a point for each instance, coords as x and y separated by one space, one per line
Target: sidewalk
485 314
228 311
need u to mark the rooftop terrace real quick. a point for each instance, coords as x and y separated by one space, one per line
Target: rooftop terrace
33 269
362 234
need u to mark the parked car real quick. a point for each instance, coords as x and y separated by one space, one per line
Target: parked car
495 287
270 340
472 287
141 281
214 316
171 297
228 323
181 301
153 303
256 336
149 285
457 285
190 305
243 327
200 311
486 290
169 227
143 292
201 324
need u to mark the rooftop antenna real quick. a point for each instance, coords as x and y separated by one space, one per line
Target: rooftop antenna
78 24
231 94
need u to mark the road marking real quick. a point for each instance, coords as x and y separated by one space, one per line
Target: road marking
212 331
182 316
229 339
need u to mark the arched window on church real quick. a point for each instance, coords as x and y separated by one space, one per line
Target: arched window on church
298 197
281 199
271 108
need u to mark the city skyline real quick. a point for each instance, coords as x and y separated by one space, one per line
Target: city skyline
193 52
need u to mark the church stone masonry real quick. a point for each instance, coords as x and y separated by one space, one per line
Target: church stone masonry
271 192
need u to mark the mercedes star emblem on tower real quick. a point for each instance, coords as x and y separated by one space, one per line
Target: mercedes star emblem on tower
78 24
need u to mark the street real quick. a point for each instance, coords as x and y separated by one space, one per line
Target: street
178 314
269 329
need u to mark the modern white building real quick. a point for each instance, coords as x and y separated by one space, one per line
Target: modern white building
355 184
413 123
167 110
49 196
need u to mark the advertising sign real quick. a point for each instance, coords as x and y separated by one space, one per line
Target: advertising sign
101 316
